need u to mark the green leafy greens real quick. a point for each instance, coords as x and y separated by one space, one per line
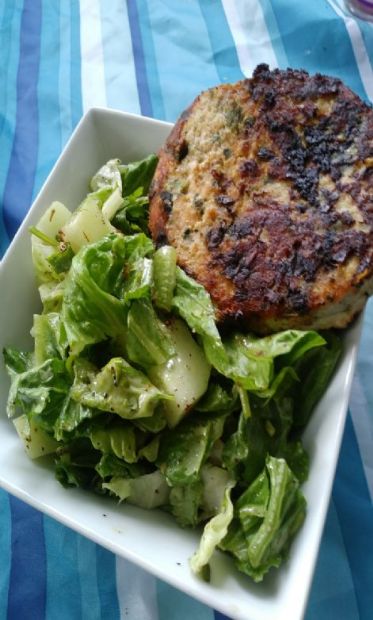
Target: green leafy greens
136 394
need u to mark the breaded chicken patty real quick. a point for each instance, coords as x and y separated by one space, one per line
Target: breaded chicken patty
265 189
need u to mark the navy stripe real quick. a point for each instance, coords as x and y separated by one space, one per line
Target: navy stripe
220 616
355 513
106 582
139 58
21 173
27 581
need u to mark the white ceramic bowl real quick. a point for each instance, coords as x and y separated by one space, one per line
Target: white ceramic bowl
152 539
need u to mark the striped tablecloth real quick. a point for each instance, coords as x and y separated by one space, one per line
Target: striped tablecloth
57 59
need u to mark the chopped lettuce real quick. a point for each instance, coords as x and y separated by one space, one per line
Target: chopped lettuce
35 440
214 532
45 245
136 394
90 311
117 388
147 491
138 174
267 516
184 373
164 277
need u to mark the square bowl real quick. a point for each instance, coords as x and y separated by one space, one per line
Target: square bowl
151 538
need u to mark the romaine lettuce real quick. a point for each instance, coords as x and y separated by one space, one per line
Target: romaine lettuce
136 393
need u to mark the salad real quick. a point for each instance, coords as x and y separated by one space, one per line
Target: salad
134 392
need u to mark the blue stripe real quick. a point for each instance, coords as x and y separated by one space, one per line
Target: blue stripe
5 556
315 39
185 56
274 33
10 29
49 142
75 73
223 48
151 66
63 580
91 606
332 593
20 180
220 616
170 599
27 582
64 81
106 580
355 512
139 57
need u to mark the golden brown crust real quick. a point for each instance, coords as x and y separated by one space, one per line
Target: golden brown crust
265 188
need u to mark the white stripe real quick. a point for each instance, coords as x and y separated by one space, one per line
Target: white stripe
359 49
249 30
64 78
93 73
122 86
137 593
363 425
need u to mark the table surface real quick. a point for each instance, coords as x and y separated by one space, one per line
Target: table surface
58 59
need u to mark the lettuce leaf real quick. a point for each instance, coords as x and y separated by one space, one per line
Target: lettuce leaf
147 491
40 391
214 532
116 388
184 449
267 516
90 312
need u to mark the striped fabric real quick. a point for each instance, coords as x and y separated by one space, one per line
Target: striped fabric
60 57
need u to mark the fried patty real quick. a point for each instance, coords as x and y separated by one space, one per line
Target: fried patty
264 187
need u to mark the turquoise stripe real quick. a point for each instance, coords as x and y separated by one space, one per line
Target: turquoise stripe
64 79
147 34
48 90
10 27
106 581
91 608
5 555
355 512
332 592
315 39
222 44
274 33
75 70
364 362
181 46
121 88
170 599
63 578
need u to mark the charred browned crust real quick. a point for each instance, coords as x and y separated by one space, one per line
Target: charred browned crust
284 232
